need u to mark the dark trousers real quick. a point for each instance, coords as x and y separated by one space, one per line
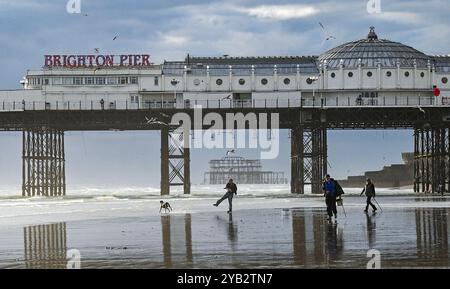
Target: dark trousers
331 205
370 203
229 196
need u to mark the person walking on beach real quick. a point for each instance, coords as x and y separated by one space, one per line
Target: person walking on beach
329 191
231 191
369 189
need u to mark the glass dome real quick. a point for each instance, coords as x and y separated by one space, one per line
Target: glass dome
370 51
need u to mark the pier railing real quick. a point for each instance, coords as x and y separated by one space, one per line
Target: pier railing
224 103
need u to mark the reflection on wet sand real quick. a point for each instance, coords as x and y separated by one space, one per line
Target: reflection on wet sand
45 246
298 234
231 228
432 236
176 231
406 238
371 227
326 241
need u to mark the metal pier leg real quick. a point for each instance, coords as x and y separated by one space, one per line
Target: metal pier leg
319 159
165 190
427 160
175 161
43 163
308 159
187 171
416 161
295 161
447 160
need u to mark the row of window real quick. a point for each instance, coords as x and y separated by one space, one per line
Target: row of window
86 80
123 80
287 81
241 81
444 79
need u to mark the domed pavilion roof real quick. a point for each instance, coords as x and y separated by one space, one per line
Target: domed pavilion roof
370 51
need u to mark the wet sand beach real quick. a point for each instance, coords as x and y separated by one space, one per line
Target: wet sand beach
410 232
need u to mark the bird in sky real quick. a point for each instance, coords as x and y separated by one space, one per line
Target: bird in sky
229 152
115 37
421 109
328 35
97 50
227 97
153 120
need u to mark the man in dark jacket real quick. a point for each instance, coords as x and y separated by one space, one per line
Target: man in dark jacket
231 191
369 189
329 192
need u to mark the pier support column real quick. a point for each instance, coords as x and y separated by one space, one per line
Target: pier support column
175 161
165 184
431 160
297 185
308 158
43 162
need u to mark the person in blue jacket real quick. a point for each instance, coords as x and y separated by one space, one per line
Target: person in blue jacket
330 193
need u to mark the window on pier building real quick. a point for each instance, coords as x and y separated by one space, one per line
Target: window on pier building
67 80
123 80
100 80
133 80
156 81
56 80
112 80
89 80
77 80
134 98
46 81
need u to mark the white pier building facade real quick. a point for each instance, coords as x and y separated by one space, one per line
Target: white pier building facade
366 72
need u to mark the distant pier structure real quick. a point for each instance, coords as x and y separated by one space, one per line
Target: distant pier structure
242 171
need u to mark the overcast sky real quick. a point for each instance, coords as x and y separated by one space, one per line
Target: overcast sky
168 30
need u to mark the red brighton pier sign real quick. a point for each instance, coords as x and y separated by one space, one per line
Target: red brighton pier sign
96 60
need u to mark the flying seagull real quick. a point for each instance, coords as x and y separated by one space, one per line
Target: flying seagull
329 36
230 152
421 109
97 50
227 97
115 37
153 120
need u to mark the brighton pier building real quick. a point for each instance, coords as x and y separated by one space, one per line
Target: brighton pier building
369 71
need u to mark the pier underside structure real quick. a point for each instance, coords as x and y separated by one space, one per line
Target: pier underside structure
43 162
44 157
432 159
175 161
308 158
